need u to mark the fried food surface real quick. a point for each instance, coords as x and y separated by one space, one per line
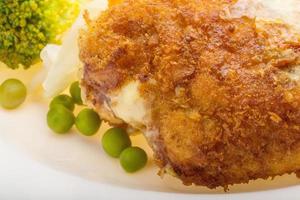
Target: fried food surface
224 108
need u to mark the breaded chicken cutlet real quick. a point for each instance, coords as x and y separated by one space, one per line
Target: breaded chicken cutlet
216 96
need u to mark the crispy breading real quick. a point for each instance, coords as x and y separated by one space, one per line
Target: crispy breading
222 102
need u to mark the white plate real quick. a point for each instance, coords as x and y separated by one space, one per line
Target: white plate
37 164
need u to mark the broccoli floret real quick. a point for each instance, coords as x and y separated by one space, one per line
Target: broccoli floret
26 26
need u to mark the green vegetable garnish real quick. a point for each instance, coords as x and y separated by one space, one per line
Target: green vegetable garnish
60 119
26 26
12 93
88 122
114 141
64 100
75 92
133 159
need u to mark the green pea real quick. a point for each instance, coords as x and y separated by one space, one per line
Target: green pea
75 92
133 159
88 122
64 100
12 93
114 141
60 119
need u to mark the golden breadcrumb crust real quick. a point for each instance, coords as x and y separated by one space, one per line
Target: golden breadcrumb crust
223 106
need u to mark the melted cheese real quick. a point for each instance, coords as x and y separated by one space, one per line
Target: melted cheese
129 106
